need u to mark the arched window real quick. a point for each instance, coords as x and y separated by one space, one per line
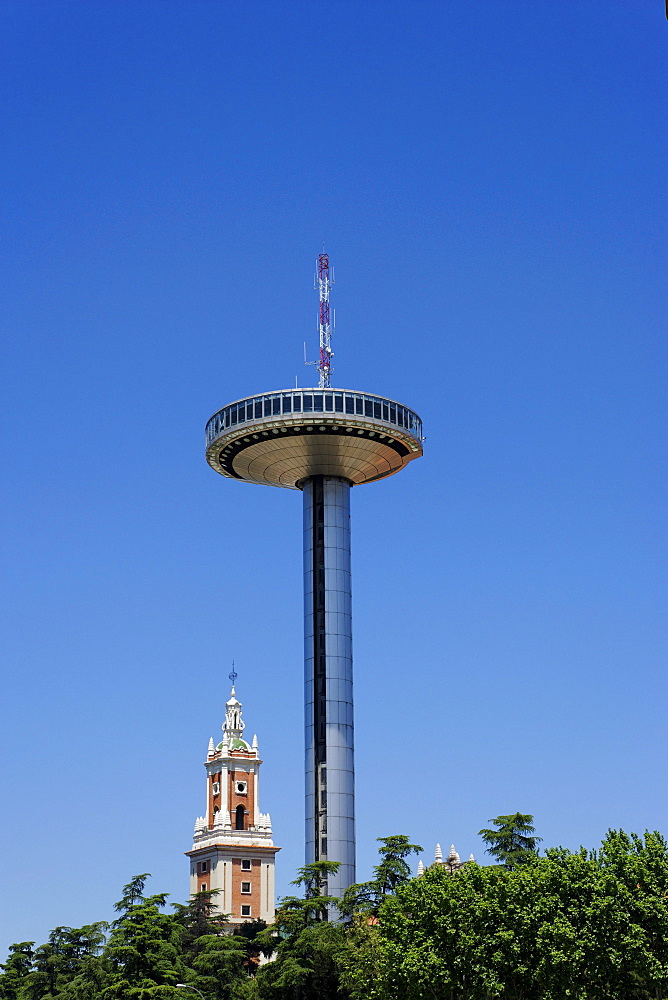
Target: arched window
239 820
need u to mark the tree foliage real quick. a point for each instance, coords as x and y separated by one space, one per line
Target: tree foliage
142 956
391 872
567 926
512 843
307 945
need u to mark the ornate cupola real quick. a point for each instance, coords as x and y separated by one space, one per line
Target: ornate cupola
233 850
234 724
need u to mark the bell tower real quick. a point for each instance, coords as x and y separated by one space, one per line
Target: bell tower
232 847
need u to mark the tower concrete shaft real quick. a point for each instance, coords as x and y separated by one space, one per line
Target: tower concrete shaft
328 678
321 441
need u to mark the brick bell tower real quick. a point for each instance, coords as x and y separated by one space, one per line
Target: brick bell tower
232 847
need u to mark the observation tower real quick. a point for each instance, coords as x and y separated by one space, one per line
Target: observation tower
321 441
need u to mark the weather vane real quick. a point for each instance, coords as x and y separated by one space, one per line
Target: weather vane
233 674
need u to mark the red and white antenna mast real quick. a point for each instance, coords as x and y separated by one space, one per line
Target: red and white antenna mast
324 324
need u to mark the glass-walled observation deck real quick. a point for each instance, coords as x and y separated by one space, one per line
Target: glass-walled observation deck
291 403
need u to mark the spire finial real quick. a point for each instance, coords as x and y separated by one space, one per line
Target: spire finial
233 675
234 724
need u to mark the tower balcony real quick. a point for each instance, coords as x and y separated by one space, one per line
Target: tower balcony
284 437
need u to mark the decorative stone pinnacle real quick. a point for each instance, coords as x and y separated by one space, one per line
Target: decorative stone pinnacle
420 869
438 855
234 724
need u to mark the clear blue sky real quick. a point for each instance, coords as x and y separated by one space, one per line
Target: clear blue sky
489 179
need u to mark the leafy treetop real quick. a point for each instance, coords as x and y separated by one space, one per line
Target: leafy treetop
512 842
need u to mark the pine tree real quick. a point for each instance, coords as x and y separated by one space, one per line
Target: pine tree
392 871
512 843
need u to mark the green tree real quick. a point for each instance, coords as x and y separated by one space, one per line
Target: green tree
61 959
307 944
640 865
133 893
306 966
219 963
248 933
392 871
582 926
144 949
197 919
15 970
91 979
297 912
512 842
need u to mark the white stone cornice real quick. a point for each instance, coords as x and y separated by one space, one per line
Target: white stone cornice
232 838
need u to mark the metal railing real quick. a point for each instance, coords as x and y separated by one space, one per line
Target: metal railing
309 402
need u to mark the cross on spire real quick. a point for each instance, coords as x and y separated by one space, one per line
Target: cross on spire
233 674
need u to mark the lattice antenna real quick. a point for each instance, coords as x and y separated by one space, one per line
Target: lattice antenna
324 283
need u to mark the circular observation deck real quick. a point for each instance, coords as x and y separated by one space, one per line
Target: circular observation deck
282 438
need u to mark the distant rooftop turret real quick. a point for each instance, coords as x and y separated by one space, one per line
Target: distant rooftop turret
453 862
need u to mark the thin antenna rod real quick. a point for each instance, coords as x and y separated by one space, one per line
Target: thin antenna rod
324 324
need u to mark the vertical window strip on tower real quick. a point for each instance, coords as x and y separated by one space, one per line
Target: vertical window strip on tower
319 663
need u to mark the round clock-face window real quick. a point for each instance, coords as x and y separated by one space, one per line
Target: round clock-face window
241 787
